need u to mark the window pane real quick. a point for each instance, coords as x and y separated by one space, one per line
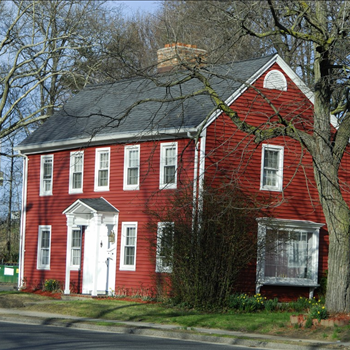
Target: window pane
47 168
129 254
76 238
44 256
170 156
77 180
103 177
45 239
78 163
130 236
169 174
133 158
133 176
103 160
271 159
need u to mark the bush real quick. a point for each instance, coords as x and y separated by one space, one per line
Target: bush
245 303
211 248
52 285
318 311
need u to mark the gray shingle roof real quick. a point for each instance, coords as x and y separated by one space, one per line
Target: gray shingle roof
104 110
98 204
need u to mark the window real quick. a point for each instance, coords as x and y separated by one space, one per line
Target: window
288 252
46 172
128 246
76 172
44 246
131 167
168 165
271 168
76 248
102 169
165 236
275 80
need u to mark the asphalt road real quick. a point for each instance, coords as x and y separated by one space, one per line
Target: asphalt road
16 336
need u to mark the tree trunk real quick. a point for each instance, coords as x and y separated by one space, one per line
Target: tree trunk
337 215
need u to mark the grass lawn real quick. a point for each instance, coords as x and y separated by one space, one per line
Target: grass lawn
263 322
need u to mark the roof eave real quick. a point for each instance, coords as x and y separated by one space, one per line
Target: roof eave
59 145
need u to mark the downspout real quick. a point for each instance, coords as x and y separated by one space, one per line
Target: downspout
23 221
201 170
195 181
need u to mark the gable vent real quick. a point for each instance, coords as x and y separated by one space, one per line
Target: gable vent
275 80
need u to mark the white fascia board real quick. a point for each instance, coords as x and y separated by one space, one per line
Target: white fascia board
164 134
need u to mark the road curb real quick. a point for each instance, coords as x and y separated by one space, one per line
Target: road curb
194 334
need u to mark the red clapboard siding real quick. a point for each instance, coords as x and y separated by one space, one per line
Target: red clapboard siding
132 206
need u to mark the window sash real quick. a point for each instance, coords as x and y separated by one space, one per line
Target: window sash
128 246
168 165
272 168
133 167
44 248
46 175
76 248
102 169
77 174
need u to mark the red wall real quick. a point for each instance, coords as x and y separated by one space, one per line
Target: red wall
230 155
234 156
132 206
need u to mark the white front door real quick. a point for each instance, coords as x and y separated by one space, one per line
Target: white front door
106 264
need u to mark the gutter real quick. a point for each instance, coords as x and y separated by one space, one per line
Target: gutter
127 137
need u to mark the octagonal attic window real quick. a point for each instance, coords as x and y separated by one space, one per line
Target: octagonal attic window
275 80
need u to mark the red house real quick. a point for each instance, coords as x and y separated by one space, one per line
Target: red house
92 169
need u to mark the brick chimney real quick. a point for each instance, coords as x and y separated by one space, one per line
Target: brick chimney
172 55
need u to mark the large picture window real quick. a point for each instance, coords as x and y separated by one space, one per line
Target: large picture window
288 252
132 167
168 165
76 172
44 247
128 246
271 168
46 175
102 169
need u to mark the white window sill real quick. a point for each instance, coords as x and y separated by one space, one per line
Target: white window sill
75 191
74 268
127 268
274 189
296 282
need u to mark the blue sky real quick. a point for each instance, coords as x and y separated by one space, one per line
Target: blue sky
134 6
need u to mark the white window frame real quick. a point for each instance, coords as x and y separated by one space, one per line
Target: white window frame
265 224
72 171
43 191
75 248
163 148
41 249
123 246
127 166
100 151
279 172
160 266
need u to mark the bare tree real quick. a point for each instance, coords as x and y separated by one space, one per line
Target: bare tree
38 45
325 25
